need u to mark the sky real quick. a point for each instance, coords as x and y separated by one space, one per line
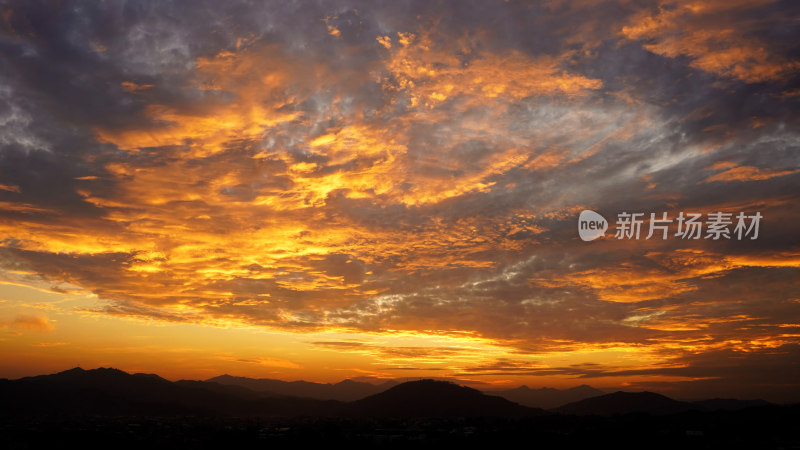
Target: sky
392 189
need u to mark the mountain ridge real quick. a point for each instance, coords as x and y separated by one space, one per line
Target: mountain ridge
429 397
546 397
112 392
109 391
622 402
345 390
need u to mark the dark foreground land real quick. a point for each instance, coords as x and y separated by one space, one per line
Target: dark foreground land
111 409
771 427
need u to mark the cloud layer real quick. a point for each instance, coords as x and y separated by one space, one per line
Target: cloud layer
414 166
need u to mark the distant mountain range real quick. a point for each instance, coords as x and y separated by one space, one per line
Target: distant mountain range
112 392
345 391
650 403
349 390
547 398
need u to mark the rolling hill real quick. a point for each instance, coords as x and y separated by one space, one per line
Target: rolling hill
430 398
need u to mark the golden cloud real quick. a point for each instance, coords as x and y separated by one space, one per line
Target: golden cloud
704 32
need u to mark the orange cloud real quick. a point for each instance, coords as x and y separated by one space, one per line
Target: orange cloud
50 344
430 73
25 322
675 273
256 76
129 86
703 31
262 361
744 173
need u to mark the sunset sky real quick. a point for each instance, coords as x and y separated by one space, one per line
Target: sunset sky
330 190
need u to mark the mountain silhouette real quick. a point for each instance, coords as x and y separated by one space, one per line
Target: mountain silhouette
347 390
112 392
651 403
430 398
624 403
107 391
547 398
108 408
